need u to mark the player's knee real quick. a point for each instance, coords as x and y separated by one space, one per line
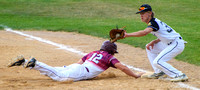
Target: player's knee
146 47
155 63
148 51
58 78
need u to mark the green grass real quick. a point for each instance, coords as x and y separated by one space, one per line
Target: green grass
98 17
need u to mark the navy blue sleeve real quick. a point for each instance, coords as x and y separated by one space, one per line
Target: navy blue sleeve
154 25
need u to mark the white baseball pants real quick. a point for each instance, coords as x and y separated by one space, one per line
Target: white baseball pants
161 53
72 72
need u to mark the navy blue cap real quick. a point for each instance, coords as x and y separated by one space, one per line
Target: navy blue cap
144 8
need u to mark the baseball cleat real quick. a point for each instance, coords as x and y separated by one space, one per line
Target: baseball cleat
181 78
30 63
18 61
155 75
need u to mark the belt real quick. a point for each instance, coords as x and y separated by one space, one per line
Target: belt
171 42
87 69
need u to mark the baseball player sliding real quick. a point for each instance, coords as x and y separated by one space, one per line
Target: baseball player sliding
90 66
168 44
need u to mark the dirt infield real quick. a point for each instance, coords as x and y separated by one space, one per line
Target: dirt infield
16 78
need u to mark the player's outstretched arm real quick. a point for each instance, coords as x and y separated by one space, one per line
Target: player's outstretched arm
139 33
126 70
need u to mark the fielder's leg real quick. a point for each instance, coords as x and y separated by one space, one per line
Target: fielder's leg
167 54
152 54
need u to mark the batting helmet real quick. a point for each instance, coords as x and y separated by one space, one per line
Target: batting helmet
110 47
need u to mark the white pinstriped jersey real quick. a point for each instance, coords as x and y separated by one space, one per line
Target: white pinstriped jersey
162 31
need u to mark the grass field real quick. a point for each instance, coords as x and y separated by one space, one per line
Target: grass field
98 17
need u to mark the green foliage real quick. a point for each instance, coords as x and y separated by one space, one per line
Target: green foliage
98 17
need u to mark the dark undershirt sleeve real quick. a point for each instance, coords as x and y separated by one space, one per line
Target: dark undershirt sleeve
154 25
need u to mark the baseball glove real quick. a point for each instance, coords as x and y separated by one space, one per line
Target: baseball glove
116 34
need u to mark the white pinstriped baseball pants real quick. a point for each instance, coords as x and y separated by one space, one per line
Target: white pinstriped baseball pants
72 72
161 53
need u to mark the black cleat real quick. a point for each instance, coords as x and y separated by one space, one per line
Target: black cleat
30 63
18 61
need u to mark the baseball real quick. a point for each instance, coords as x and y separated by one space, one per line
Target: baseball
117 35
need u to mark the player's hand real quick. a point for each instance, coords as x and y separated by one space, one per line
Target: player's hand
139 74
150 45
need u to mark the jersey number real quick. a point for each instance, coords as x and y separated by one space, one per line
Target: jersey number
169 29
96 57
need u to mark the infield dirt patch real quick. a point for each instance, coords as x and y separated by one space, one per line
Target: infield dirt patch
15 78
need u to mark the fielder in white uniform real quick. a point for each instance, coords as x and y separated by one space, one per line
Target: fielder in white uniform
90 66
168 44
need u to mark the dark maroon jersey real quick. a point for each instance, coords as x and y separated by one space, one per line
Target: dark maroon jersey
101 58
